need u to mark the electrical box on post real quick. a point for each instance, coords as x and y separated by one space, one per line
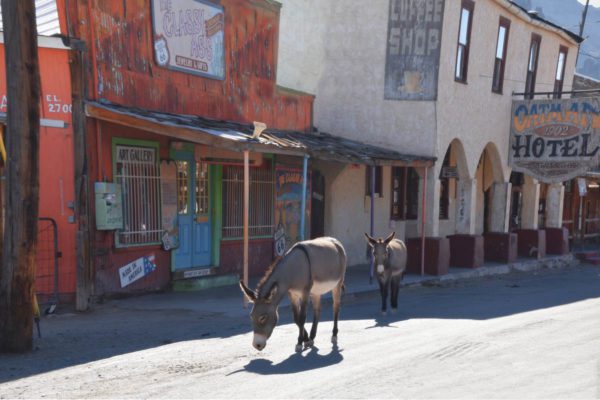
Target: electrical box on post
109 206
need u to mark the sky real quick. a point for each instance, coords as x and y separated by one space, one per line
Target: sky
595 3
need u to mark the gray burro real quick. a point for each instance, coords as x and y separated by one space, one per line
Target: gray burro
309 269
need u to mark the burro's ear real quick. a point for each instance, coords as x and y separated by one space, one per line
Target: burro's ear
250 295
389 238
370 240
271 294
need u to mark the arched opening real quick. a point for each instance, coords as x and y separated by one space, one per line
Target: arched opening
516 200
453 168
489 172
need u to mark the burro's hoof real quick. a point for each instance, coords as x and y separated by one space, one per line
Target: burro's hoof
394 310
384 313
309 343
334 339
298 348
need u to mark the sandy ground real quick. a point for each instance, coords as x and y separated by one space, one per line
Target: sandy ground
531 335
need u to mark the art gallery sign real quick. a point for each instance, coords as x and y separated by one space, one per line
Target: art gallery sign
555 140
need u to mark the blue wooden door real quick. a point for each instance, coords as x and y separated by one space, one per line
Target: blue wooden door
193 213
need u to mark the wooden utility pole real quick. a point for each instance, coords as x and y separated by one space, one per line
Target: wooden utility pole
582 29
17 271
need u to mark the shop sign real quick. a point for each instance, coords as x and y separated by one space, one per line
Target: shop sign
136 270
555 140
413 49
189 36
134 154
449 172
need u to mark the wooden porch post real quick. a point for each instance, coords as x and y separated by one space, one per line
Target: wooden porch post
423 217
246 217
303 200
372 228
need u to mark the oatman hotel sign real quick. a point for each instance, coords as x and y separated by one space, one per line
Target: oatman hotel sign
555 140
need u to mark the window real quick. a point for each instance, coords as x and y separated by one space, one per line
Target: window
500 60
464 41
405 192
262 198
202 197
532 63
560 72
137 170
378 174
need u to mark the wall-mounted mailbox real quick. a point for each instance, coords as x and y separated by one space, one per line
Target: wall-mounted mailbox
109 206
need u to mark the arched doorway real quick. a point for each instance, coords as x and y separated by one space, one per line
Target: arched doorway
491 207
453 169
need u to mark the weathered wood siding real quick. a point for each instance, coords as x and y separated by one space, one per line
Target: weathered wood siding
119 36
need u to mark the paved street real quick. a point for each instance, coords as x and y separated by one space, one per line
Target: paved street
521 335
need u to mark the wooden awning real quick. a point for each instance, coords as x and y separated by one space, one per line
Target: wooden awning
240 137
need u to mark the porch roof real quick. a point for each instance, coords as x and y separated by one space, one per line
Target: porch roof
239 137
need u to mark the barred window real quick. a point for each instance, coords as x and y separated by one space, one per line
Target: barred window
137 170
262 198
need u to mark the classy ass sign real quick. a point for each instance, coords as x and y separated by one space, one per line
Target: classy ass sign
555 140
189 36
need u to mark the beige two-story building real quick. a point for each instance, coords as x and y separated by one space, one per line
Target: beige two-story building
430 78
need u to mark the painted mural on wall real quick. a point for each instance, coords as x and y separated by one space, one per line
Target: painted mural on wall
555 140
168 197
188 36
288 206
413 49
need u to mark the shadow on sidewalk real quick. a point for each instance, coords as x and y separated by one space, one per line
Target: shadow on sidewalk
132 325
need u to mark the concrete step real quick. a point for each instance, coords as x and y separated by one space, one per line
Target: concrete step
584 255
593 260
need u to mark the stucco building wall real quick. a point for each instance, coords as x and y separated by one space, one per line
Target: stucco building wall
345 69
472 112
337 51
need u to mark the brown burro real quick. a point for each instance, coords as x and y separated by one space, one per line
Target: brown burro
390 265
309 269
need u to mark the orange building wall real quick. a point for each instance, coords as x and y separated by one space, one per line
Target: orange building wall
56 162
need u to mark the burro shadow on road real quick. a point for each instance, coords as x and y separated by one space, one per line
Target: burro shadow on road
297 362
75 339
482 299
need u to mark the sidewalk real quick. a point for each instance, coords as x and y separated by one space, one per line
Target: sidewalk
227 300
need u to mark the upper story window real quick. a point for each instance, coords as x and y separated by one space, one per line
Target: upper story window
464 41
500 60
532 64
560 71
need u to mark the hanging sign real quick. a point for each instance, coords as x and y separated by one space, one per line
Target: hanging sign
189 36
555 140
136 270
